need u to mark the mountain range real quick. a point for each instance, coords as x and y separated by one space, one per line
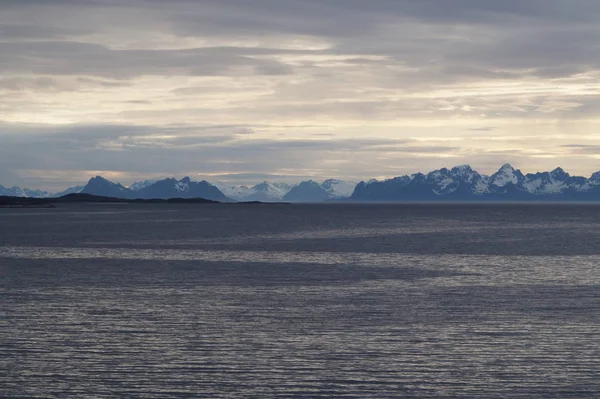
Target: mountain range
306 191
265 191
460 183
309 191
25 192
161 189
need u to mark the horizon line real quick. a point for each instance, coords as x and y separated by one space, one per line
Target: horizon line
301 180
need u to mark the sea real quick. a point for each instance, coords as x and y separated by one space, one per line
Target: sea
300 301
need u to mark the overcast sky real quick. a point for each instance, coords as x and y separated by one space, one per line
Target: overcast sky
248 90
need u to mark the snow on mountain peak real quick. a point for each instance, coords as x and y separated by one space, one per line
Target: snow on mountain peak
183 185
559 173
233 192
462 169
265 191
274 191
463 180
339 188
595 178
506 175
466 173
138 185
436 175
458 182
550 182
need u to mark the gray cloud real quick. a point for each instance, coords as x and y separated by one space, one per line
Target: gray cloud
461 37
135 151
238 88
581 149
73 58
9 31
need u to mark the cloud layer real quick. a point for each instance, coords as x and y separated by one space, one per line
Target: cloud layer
238 90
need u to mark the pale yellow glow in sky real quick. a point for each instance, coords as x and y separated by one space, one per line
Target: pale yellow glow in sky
228 91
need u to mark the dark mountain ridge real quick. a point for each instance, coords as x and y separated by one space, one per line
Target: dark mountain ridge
185 188
462 183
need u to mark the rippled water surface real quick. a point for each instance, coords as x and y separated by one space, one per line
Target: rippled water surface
302 301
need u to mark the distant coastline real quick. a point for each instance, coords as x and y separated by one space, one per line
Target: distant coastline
28 202
458 184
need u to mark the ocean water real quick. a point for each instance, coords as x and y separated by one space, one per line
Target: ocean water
300 301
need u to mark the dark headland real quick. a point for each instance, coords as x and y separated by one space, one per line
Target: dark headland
21 202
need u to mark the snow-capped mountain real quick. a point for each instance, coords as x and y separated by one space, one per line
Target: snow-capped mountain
595 178
234 192
339 188
36 193
506 175
547 182
23 192
460 179
312 191
187 188
12 191
462 183
265 191
184 188
308 191
138 185
162 189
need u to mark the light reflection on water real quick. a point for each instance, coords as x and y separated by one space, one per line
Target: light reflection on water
90 321
473 269
424 226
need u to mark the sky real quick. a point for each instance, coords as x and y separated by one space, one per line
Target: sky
243 91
